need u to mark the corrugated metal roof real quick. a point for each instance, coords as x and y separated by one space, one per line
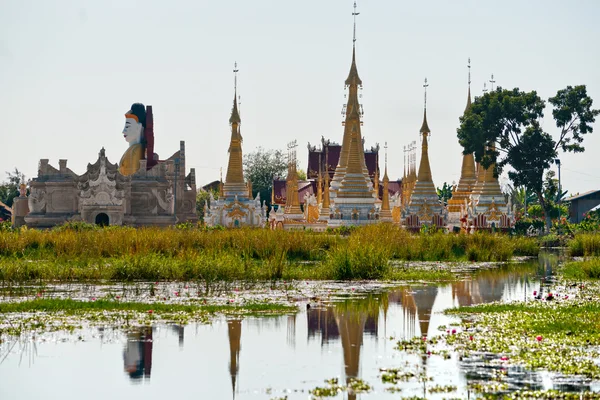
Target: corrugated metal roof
579 196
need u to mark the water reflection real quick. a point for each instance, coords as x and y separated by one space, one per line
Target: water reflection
137 356
347 337
234 329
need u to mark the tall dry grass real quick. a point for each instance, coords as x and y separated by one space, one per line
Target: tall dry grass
123 253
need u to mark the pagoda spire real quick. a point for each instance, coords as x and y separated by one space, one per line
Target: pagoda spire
424 186
468 175
235 172
353 114
386 213
351 177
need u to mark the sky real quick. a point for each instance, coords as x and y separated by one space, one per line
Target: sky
70 69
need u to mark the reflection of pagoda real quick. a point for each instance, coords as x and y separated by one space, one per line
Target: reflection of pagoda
491 288
424 300
179 329
351 326
234 328
137 356
462 292
321 321
483 289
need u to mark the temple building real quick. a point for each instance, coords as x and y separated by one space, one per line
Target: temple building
350 193
141 190
235 206
325 157
424 207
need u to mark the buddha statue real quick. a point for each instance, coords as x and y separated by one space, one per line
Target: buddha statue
135 121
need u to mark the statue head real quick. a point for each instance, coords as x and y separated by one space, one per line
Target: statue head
135 121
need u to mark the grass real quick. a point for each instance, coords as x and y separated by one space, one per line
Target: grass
585 245
75 306
582 270
129 254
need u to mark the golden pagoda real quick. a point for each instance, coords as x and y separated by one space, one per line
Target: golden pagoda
424 207
292 202
468 177
235 206
351 190
386 213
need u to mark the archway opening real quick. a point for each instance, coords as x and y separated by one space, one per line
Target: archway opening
102 219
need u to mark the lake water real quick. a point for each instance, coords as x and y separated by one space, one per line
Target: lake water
347 336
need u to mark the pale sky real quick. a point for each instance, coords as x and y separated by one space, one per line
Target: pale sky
70 69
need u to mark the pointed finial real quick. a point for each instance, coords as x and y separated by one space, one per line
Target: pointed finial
235 71
469 66
425 127
492 81
425 86
235 114
354 14
385 147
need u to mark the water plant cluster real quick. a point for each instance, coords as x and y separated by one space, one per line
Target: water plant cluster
333 387
554 331
127 254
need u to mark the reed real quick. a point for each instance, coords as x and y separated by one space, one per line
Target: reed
130 254
582 270
585 245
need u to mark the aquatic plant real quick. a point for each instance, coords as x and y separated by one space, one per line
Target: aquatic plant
582 270
585 244
77 252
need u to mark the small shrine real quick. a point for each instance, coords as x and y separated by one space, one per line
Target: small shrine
235 206
141 190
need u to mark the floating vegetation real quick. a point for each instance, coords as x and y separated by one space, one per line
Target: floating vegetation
559 332
547 395
42 315
331 390
441 389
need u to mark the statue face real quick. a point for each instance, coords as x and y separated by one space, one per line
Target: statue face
132 131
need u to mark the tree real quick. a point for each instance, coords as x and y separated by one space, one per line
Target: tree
202 198
502 128
9 190
444 193
261 167
301 175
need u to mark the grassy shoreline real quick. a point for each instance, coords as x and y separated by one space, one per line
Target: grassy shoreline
243 254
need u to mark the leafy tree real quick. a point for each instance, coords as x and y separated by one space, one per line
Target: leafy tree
521 197
261 167
202 198
301 174
9 190
444 193
502 128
